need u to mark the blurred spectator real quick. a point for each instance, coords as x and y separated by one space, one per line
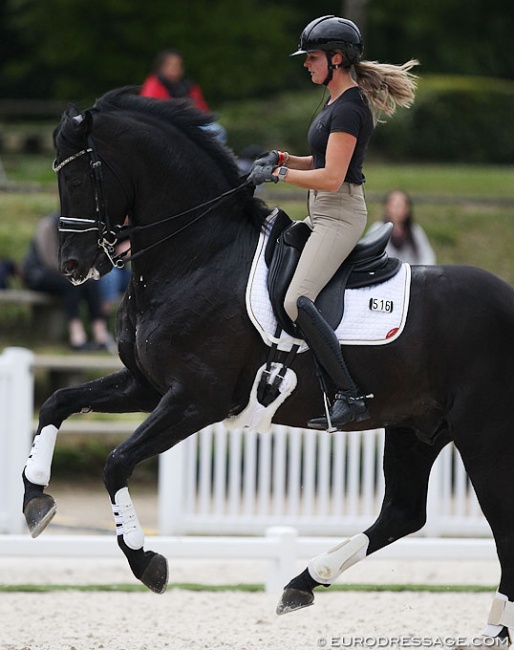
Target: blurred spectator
113 285
168 81
8 270
41 272
409 242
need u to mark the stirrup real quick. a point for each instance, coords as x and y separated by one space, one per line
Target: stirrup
347 407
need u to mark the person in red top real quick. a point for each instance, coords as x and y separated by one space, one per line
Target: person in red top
169 81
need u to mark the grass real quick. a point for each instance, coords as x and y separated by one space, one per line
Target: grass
467 211
494 182
19 214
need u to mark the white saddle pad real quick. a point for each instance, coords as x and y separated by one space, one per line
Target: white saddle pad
373 315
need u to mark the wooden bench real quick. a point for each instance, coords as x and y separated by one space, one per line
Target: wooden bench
47 315
77 362
72 369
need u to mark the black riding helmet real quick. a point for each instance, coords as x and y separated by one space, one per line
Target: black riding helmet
330 33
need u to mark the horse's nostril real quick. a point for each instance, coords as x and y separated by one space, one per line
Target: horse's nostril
69 266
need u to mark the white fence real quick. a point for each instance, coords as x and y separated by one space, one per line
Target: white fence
240 482
16 405
233 483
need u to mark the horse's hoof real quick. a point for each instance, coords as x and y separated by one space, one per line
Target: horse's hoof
155 576
39 512
293 599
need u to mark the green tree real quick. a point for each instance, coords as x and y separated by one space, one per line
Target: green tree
447 36
75 50
78 49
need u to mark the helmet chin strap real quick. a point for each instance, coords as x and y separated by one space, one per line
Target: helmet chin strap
331 67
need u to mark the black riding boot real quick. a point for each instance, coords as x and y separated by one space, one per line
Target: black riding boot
349 404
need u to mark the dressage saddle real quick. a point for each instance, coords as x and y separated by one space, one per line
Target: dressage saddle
366 265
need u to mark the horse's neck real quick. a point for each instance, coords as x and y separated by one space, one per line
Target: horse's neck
205 229
219 237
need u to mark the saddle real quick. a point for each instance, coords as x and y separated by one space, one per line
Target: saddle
367 264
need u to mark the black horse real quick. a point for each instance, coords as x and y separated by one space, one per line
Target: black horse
190 352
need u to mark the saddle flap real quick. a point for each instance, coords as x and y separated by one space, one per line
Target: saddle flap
367 264
280 223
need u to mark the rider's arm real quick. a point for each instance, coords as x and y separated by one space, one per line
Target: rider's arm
340 148
298 162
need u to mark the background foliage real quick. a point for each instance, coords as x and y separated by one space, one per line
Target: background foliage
454 118
235 49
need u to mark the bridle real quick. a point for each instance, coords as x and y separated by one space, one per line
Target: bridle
109 235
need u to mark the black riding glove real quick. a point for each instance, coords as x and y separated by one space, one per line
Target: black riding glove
262 174
268 158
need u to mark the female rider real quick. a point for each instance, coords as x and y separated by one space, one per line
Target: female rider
338 138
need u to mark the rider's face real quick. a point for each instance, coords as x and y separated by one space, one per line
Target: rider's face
316 64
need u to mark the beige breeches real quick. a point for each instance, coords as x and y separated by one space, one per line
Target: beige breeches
338 220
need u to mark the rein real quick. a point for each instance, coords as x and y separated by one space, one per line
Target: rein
109 235
122 257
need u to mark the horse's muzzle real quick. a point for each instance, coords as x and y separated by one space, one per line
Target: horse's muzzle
77 272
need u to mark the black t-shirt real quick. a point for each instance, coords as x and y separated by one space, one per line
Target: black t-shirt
351 114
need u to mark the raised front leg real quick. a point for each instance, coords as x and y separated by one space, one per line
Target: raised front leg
119 392
407 465
176 417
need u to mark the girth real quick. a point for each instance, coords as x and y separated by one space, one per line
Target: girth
366 265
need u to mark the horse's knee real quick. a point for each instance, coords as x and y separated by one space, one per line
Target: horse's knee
116 471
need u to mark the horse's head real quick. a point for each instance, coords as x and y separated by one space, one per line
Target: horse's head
154 162
89 222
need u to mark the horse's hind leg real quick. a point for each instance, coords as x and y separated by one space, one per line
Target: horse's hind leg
488 460
407 465
116 393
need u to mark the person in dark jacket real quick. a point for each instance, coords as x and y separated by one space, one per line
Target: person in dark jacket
40 272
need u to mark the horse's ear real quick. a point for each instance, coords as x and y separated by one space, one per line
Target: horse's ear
72 111
81 121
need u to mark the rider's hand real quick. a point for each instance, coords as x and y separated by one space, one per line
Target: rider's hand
268 158
262 174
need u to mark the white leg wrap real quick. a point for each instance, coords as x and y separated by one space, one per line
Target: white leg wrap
39 462
327 567
500 616
125 518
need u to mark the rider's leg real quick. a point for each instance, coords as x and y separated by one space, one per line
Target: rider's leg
349 404
338 220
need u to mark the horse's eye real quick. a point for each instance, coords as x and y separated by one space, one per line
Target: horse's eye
76 182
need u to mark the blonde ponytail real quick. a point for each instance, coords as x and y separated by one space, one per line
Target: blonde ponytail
386 86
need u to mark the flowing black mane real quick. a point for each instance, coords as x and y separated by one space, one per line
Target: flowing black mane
177 114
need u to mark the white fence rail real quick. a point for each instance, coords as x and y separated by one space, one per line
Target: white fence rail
240 483
16 405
